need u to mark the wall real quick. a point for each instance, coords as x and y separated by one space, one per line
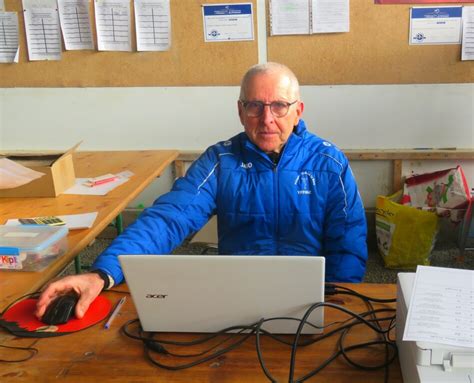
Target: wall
191 118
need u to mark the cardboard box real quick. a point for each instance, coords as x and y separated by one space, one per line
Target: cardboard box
58 169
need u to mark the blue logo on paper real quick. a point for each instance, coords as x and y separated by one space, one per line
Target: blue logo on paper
214 33
436 13
221 10
419 37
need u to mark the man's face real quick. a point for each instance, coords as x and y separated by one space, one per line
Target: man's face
267 131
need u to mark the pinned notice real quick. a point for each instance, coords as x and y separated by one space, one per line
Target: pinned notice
228 22
42 32
468 33
440 25
9 45
75 24
113 25
152 18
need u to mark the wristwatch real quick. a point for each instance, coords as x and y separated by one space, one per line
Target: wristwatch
108 280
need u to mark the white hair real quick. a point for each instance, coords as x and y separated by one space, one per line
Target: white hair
269 67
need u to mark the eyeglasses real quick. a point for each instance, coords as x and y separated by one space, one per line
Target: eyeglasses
255 108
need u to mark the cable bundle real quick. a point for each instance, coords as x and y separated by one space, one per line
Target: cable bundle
381 321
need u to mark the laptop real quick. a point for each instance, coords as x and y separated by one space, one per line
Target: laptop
207 293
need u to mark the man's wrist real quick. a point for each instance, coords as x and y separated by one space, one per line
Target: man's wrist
108 280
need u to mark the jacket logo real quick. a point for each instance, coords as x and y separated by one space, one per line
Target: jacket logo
247 165
303 183
156 296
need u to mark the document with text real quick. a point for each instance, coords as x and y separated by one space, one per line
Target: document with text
442 307
435 25
468 33
112 19
290 17
75 24
9 45
228 22
153 24
330 16
43 34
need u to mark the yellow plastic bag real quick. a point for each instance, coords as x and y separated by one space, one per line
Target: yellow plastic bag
405 235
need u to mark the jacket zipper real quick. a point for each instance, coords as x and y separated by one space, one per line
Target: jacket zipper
275 193
276 205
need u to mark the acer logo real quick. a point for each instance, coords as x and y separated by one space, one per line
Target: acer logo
156 296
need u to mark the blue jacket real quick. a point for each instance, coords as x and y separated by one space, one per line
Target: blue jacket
306 205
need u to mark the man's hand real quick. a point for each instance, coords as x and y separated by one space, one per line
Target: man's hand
87 286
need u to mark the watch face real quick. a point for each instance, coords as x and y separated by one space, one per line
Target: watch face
20 320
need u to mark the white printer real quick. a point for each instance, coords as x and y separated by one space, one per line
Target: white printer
424 362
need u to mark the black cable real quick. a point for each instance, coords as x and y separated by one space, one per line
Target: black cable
373 318
348 325
29 295
154 345
304 319
362 296
385 337
200 340
342 351
33 351
201 360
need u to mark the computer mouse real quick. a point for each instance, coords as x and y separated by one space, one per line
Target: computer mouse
61 309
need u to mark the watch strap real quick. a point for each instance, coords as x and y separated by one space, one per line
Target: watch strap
108 280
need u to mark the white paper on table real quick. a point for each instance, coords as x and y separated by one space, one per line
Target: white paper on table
81 189
441 307
112 18
125 174
435 25
467 33
13 174
9 45
42 30
153 24
72 221
289 17
228 22
330 16
75 24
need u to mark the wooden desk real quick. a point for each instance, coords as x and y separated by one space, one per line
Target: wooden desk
103 355
146 166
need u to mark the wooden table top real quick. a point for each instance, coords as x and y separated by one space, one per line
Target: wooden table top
109 356
146 166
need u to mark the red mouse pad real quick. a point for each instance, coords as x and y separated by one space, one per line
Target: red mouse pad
20 320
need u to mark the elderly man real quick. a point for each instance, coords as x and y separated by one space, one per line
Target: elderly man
276 189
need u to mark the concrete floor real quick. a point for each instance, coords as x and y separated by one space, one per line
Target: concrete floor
444 255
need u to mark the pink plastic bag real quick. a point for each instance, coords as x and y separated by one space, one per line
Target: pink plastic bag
446 192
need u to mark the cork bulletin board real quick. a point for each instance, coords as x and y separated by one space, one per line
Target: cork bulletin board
375 51
190 61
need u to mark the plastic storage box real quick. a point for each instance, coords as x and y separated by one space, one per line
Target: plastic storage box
31 247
